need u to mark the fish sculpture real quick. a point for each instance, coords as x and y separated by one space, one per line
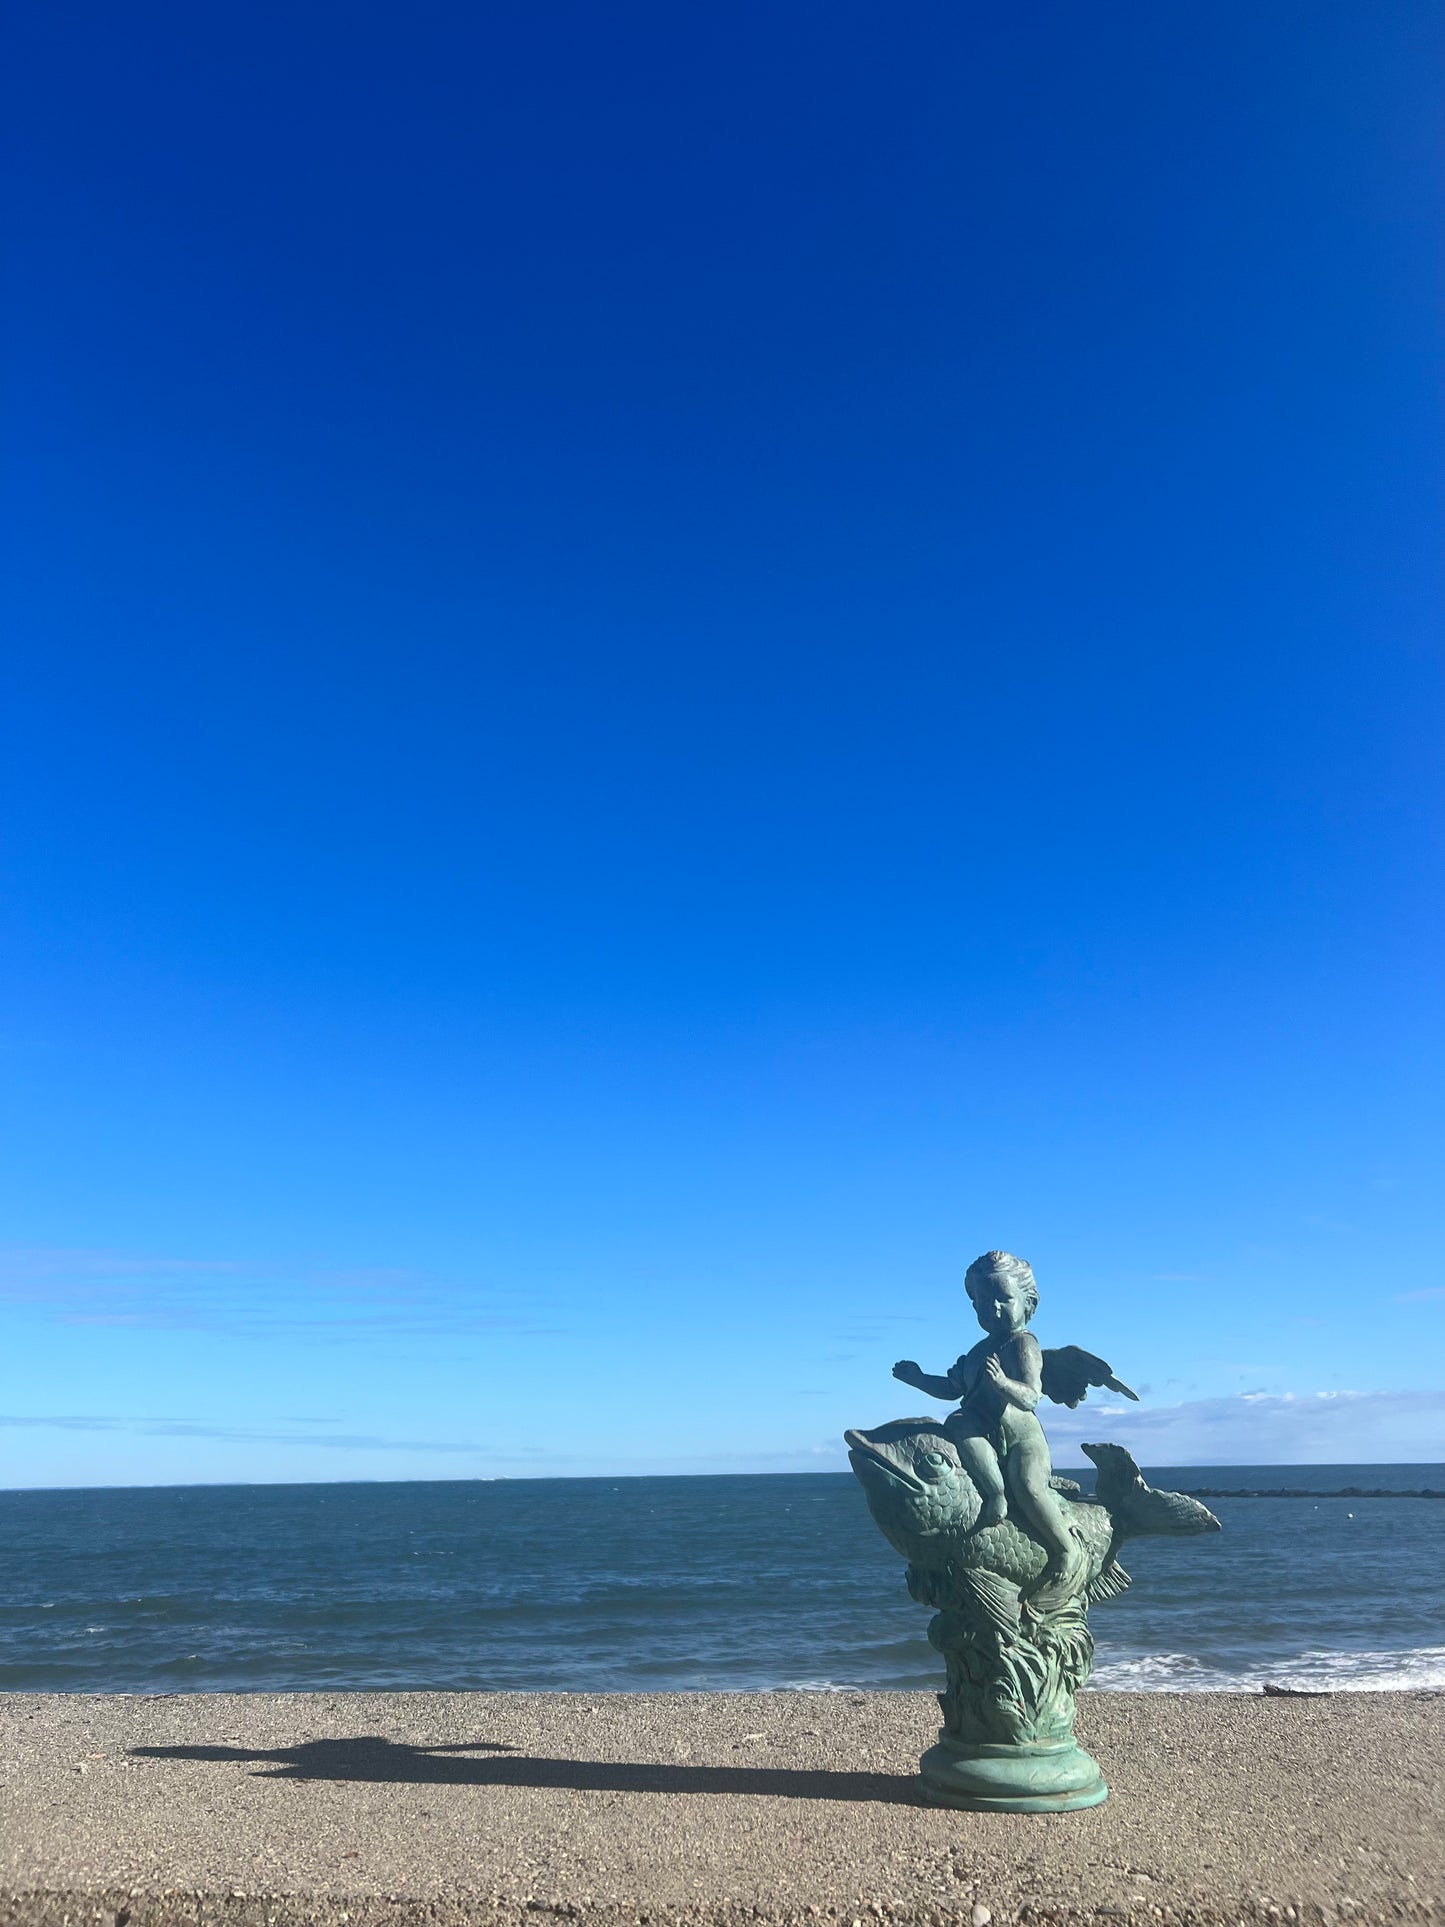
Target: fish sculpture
1015 1649
928 1508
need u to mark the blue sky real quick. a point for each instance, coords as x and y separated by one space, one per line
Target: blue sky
675 666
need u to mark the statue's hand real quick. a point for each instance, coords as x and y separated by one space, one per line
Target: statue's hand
907 1370
996 1373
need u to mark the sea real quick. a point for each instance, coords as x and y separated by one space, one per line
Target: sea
721 1584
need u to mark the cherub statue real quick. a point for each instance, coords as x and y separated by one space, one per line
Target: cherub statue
995 1431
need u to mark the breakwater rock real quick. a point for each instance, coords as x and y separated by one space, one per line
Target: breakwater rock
1306 1492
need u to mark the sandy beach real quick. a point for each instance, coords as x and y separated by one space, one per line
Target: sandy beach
452 1807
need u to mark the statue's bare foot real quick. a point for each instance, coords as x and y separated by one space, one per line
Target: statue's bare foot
995 1511
1060 1579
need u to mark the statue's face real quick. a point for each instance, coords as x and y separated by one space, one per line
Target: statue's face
1001 1303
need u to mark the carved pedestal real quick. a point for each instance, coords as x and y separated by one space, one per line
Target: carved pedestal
1007 1741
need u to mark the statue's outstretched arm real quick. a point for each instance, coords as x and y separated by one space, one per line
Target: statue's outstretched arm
922 1381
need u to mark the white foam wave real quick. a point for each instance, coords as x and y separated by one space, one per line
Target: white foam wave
1415 1669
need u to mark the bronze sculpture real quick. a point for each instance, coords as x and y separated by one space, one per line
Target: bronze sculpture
1008 1555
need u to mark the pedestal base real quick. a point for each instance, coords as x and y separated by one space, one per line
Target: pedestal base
1011 1779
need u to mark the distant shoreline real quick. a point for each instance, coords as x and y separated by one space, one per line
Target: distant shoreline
1305 1492
1158 1472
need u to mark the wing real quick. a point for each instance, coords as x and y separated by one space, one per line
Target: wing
1069 1371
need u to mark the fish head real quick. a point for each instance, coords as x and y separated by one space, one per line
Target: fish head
917 1489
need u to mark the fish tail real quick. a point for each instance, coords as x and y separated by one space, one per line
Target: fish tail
1138 1510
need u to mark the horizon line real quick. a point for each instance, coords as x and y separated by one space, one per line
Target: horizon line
574 1478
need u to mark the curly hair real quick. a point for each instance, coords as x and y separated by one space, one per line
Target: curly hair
995 1263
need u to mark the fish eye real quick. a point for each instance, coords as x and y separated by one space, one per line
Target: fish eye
935 1458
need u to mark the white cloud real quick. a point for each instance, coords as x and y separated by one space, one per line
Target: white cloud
1261 1428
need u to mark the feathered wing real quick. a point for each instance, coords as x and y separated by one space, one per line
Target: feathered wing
1069 1371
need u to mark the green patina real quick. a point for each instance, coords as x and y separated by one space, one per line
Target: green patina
1008 1556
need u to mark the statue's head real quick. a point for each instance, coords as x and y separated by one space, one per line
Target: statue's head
1003 1292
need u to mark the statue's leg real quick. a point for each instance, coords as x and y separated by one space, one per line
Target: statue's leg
980 1461
1030 1468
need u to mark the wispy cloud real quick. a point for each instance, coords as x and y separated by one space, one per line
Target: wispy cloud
1254 1428
539 1460
170 1428
302 1434
245 1298
1263 1428
386 1457
1425 1295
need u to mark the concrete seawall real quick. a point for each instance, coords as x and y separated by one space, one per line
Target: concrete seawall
267 1810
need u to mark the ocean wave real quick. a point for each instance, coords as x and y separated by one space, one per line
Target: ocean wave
1416 1669
743 1584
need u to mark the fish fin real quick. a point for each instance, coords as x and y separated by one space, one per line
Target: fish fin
1107 1584
1070 1488
996 1598
928 1587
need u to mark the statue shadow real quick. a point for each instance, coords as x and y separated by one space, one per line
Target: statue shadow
369 1757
